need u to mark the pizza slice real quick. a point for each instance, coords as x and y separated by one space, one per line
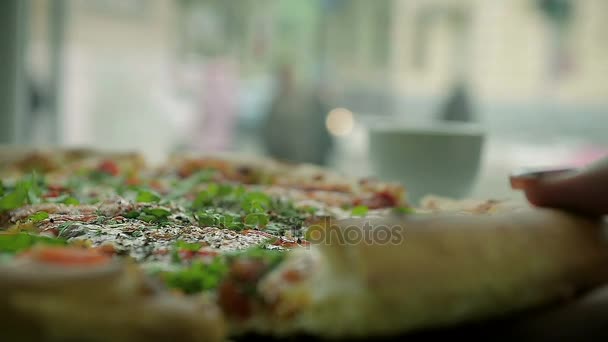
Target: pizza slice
53 292
433 271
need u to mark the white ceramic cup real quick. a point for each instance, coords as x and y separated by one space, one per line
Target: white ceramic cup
441 159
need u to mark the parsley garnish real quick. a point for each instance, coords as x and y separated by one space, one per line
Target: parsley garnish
71 201
150 215
214 194
202 276
257 220
14 243
256 202
146 196
62 228
403 210
39 216
198 277
183 187
183 245
158 213
133 214
211 218
360 211
272 257
26 191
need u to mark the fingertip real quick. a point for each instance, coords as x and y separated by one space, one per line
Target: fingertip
535 196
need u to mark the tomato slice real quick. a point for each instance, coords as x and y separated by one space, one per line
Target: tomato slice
68 256
109 167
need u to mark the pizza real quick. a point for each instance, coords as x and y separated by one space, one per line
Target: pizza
100 246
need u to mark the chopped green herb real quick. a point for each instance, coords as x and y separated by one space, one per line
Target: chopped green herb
183 187
233 222
146 196
211 218
238 192
39 216
257 220
181 245
310 210
213 193
188 246
26 191
101 219
133 214
255 202
63 227
271 256
201 276
359 211
235 225
275 228
14 199
403 210
203 199
197 277
14 243
147 218
208 219
225 190
71 201
158 213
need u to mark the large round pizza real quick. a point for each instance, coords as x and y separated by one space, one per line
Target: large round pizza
101 247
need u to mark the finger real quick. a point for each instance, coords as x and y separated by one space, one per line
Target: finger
584 190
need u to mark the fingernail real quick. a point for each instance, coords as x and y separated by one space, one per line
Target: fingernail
529 177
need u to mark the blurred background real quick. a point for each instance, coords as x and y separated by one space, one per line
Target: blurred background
304 80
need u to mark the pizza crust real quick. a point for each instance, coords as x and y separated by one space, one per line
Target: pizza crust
448 269
112 302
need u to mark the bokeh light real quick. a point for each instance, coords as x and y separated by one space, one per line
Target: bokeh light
340 122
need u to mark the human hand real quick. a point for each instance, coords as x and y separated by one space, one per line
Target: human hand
582 190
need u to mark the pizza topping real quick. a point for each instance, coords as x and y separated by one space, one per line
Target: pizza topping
54 191
360 210
289 243
197 277
146 196
293 276
403 210
238 293
67 256
39 216
18 242
69 230
108 167
381 199
71 201
247 270
234 301
192 224
26 191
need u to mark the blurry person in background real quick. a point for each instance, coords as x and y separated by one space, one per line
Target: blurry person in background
457 107
218 104
294 128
